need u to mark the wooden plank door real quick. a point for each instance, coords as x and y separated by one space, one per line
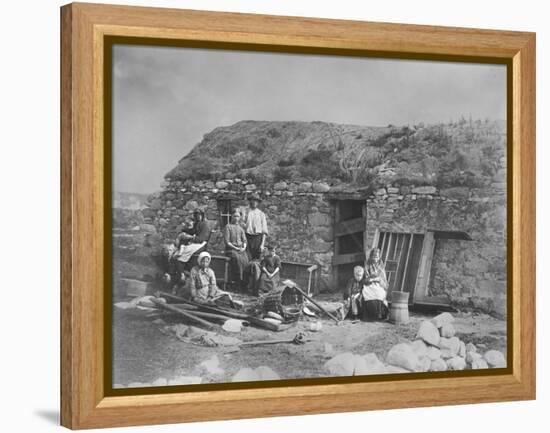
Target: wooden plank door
421 292
394 248
412 266
401 254
349 239
391 251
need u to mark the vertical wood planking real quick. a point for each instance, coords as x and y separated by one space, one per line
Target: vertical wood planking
421 287
376 238
411 239
335 268
365 231
383 247
388 246
401 264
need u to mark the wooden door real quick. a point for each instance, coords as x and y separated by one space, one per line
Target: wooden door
425 267
349 239
422 292
401 253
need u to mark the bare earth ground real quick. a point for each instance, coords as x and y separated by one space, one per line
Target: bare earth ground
144 352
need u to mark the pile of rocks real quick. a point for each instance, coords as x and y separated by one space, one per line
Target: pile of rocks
436 348
248 374
348 364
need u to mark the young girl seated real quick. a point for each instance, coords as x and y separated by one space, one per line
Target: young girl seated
203 285
271 268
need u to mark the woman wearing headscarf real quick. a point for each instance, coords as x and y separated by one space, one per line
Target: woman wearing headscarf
374 305
235 248
202 284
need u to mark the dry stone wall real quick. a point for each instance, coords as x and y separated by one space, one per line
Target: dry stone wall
299 215
470 273
300 219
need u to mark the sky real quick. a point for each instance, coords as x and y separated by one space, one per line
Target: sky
165 99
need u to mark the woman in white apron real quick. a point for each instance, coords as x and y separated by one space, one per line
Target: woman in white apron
374 305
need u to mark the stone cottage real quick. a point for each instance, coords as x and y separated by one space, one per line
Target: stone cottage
332 192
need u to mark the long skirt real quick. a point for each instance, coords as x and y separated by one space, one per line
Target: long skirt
267 284
253 244
351 307
253 274
219 297
373 311
238 262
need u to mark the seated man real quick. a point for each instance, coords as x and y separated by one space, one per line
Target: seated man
353 293
202 283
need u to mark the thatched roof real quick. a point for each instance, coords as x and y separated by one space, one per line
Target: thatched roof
453 154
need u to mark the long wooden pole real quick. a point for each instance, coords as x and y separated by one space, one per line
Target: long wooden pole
317 305
194 310
261 342
233 314
185 314
216 310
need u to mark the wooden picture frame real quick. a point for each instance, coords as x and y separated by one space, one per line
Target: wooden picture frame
85 402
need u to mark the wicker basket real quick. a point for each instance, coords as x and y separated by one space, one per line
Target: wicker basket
285 301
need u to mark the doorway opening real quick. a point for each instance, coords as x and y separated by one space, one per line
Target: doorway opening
350 223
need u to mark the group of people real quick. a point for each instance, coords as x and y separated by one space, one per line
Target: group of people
254 266
365 293
178 264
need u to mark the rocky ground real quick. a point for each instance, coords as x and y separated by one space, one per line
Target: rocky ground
153 348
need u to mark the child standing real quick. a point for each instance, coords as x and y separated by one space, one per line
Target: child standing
353 293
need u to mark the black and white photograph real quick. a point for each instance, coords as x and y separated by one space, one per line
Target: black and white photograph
280 216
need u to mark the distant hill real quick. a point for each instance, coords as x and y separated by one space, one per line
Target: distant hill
461 153
129 200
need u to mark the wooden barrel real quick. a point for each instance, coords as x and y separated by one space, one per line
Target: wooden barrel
399 311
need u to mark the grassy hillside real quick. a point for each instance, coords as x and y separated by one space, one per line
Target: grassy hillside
462 153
